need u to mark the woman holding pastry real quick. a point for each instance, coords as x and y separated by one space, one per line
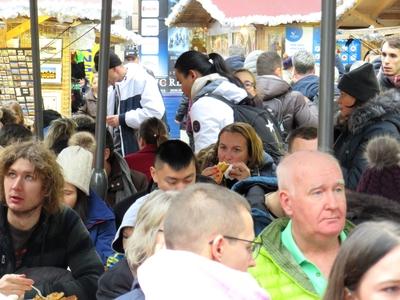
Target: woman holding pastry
237 155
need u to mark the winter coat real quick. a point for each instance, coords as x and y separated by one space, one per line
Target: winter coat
142 160
194 277
140 99
288 107
384 82
90 106
115 281
209 115
277 272
120 181
379 116
308 86
100 222
60 240
363 207
254 189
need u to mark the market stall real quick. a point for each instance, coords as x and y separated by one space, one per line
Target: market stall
59 34
269 27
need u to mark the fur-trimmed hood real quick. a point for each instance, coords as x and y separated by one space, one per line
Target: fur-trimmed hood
386 105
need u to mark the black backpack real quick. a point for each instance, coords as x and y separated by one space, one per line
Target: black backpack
262 121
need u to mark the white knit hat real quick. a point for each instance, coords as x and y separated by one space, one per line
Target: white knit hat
250 62
76 164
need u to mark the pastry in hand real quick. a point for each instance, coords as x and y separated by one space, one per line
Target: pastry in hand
222 166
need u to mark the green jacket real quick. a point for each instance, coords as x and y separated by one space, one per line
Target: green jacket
277 272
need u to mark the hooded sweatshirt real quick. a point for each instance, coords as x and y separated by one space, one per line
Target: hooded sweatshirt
209 115
181 275
308 86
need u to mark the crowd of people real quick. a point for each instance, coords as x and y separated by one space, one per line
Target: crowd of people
222 217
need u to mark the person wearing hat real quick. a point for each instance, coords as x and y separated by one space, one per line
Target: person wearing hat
133 96
76 165
363 115
382 176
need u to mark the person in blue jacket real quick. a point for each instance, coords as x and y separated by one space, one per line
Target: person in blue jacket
99 219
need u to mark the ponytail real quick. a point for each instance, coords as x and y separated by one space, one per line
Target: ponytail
205 65
153 132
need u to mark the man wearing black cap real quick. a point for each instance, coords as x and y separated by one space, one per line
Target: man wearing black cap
389 75
132 98
362 116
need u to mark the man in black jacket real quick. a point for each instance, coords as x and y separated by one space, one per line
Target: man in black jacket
39 238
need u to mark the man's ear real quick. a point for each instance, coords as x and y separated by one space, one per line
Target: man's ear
153 173
217 248
278 72
286 202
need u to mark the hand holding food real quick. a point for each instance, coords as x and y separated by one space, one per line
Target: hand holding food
15 284
239 171
214 173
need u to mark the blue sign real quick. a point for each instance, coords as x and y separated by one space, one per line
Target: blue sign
350 51
316 51
294 34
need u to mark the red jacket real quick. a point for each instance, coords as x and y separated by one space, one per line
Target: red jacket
142 160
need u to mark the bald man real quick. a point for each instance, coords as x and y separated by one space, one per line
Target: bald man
298 251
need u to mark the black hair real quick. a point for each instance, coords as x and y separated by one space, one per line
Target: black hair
50 115
82 204
153 131
303 132
205 65
11 133
176 154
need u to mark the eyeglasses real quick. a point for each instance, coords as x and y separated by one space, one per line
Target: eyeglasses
255 246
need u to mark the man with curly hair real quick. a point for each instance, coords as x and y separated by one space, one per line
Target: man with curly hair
41 242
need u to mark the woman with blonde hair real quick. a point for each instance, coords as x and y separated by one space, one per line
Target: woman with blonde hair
241 148
147 237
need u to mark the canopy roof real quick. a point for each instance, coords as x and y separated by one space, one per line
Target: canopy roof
351 13
62 9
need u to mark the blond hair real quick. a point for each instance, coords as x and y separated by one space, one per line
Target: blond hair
141 244
255 148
